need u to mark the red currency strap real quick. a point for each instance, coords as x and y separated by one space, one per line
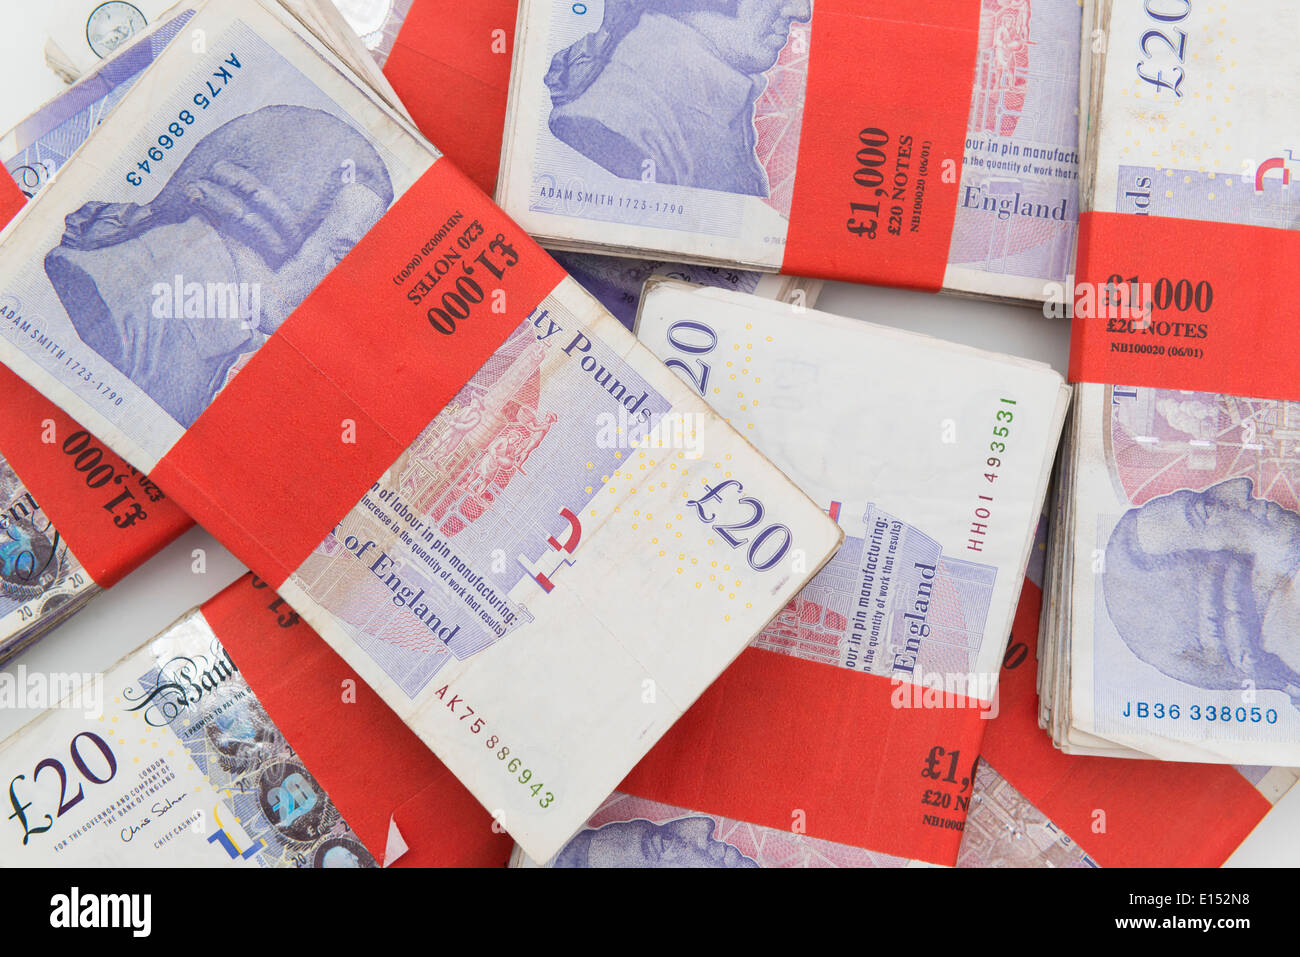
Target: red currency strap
894 78
111 526
269 467
368 761
1156 813
1222 310
452 72
784 743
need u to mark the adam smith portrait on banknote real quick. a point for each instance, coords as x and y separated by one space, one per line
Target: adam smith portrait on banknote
666 89
273 199
1203 587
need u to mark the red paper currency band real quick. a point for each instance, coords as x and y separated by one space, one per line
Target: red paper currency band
790 744
1154 813
1221 316
887 104
452 72
369 762
102 507
355 374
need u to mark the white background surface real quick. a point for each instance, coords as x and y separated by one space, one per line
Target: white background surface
167 586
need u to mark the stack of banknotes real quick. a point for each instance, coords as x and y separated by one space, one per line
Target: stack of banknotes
44 579
1171 626
447 57
76 518
635 130
181 765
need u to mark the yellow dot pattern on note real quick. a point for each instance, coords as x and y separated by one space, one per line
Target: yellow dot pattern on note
671 526
638 473
1207 65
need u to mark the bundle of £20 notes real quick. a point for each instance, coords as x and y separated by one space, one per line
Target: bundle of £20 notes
1172 622
730 136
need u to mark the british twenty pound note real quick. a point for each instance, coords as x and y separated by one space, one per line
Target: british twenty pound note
1034 807
34 150
1185 604
43 581
625 129
628 831
938 524
675 130
1189 493
503 576
167 760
